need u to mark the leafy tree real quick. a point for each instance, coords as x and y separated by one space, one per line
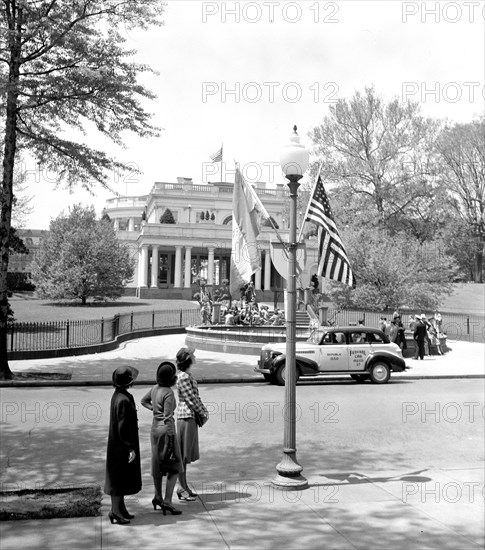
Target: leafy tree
64 63
380 151
167 217
462 171
81 258
392 272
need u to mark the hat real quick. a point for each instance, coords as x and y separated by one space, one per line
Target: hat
423 316
123 376
184 354
417 317
166 374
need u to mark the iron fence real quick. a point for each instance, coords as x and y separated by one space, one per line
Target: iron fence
75 334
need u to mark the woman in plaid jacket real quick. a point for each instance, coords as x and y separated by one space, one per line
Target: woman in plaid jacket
188 408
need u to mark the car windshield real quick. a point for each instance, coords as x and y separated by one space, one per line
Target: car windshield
316 336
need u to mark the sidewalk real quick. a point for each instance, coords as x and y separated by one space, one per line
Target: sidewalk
465 359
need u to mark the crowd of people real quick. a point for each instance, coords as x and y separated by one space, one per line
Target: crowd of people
252 314
427 332
174 443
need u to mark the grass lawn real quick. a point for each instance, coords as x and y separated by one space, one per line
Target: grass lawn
29 309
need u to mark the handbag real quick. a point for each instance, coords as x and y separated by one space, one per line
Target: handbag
169 456
199 419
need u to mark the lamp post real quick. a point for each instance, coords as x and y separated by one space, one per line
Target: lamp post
294 162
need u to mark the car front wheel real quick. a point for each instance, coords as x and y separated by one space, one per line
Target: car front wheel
379 373
280 375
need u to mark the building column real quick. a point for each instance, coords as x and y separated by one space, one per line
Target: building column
210 266
188 267
117 224
143 266
178 267
267 270
131 224
257 275
155 259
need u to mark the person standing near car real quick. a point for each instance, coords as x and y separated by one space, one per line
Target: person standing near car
419 335
189 406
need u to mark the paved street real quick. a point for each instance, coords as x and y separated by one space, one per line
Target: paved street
395 466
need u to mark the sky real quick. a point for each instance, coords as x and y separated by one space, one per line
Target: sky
242 74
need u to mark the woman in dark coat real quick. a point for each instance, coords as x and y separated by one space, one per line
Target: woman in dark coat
161 400
123 469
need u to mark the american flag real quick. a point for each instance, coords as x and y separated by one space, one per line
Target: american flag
333 262
217 156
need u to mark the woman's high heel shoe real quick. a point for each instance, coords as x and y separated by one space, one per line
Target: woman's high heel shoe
127 514
169 508
114 518
156 502
185 495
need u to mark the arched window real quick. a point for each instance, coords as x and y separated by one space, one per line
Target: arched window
228 220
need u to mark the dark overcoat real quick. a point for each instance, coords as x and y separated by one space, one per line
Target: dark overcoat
122 478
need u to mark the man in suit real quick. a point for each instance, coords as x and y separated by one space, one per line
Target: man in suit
419 336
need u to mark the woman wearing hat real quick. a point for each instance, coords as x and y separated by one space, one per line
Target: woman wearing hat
123 470
189 406
161 400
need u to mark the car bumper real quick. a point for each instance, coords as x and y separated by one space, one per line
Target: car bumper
262 370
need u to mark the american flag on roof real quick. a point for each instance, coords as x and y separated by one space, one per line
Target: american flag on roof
217 156
333 262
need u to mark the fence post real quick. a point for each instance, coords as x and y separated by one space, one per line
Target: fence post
131 322
180 322
102 329
468 324
67 333
153 319
11 335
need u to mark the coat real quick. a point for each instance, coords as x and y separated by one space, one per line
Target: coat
122 478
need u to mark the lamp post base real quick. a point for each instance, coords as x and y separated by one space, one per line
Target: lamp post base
289 473
296 483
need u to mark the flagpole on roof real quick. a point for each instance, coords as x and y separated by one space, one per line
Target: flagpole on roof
309 202
222 155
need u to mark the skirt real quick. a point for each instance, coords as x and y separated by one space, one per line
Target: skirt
160 443
188 438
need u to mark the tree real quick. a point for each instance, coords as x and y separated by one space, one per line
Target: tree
64 63
380 151
393 272
462 171
167 217
80 258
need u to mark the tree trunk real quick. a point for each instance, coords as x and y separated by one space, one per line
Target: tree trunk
14 46
478 266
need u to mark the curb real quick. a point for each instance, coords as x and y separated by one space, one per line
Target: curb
248 380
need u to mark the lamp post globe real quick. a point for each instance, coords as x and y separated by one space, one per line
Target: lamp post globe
294 160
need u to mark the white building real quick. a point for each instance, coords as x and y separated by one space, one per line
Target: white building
169 257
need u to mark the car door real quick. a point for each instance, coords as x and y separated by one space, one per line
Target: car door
358 349
333 352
